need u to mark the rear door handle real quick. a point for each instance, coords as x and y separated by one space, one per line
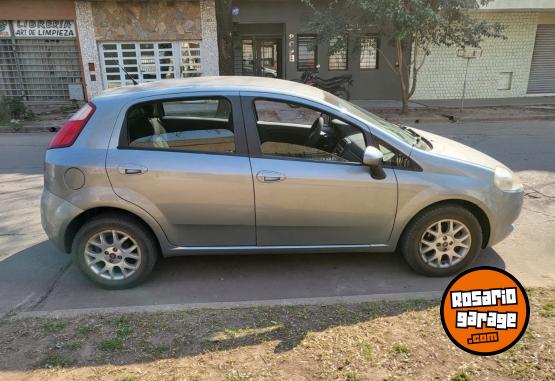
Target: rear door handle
270 176
132 170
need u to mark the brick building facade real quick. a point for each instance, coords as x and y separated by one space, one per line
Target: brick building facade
521 65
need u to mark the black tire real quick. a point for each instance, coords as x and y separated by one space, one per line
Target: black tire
410 241
142 236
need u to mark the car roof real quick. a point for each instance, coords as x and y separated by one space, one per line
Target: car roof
222 83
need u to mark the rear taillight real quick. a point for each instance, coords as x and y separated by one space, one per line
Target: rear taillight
73 127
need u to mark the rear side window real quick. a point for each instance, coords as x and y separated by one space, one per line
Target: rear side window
198 125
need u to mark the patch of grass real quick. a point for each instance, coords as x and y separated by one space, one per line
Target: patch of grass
548 309
461 375
84 330
54 326
157 350
351 376
111 345
124 328
237 376
55 361
401 348
366 350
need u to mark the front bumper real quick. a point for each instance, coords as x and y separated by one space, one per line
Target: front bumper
506 207
56 215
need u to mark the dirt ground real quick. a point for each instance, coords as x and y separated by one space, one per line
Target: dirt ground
369 341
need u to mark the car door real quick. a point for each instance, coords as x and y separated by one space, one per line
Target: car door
184 160
303 196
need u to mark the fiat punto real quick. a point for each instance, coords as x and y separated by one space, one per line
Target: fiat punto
222 165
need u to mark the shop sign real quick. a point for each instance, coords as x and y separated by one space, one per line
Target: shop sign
44 28
4 29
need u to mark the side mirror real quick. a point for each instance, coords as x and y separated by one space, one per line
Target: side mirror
373 158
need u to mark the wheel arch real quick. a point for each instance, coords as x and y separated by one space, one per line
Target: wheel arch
80 220
473 208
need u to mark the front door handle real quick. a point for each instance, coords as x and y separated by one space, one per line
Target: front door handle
270 176
132 169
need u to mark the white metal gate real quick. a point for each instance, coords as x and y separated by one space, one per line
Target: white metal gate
38 69
542 70
148 61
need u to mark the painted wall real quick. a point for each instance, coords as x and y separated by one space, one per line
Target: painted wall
381 83
442 75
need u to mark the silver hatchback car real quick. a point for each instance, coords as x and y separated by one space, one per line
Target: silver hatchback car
220 165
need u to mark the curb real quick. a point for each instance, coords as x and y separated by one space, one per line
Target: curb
334 300
469 119
24 129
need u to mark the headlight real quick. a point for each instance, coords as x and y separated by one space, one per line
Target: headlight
506 180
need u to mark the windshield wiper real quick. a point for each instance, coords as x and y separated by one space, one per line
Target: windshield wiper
412 132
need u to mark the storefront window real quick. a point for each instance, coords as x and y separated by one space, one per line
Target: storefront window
338 59
307 52
149 61
368 52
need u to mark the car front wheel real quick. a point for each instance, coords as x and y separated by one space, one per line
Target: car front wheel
115 251
442 240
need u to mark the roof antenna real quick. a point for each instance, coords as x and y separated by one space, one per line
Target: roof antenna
129 76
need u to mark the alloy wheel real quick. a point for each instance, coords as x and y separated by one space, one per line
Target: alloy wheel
112 254
445 243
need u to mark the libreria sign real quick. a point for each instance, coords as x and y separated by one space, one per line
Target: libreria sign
43 28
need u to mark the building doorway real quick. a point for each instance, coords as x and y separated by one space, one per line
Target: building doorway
258 50
261 57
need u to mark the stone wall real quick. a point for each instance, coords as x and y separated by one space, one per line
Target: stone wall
209 57
89 51
147 20
442 75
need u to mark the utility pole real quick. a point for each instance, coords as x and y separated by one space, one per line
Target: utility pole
468 54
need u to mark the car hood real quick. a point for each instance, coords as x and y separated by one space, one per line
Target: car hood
455 150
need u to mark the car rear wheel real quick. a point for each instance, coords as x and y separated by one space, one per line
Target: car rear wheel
115 251
442 240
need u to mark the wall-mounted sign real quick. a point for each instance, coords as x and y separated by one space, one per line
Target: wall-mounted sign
4 29
44 28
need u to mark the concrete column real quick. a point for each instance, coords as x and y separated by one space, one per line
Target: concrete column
89 50
209 57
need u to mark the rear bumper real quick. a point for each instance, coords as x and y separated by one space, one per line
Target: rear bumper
56 215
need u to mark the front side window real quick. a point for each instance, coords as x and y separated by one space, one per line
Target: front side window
338 59
307 52
198 125
294 131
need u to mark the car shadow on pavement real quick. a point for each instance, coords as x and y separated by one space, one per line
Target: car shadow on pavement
182 334
284 279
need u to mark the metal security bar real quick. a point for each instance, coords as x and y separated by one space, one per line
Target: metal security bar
37 69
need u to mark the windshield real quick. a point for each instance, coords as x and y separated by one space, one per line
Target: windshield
399 132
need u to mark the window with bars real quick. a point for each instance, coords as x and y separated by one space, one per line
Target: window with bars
338 60
307 52
149 61
368 52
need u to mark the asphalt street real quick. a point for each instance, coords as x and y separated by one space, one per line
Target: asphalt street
36 277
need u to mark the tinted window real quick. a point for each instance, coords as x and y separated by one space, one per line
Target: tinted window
203 125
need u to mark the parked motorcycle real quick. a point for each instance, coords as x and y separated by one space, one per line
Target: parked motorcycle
335 85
